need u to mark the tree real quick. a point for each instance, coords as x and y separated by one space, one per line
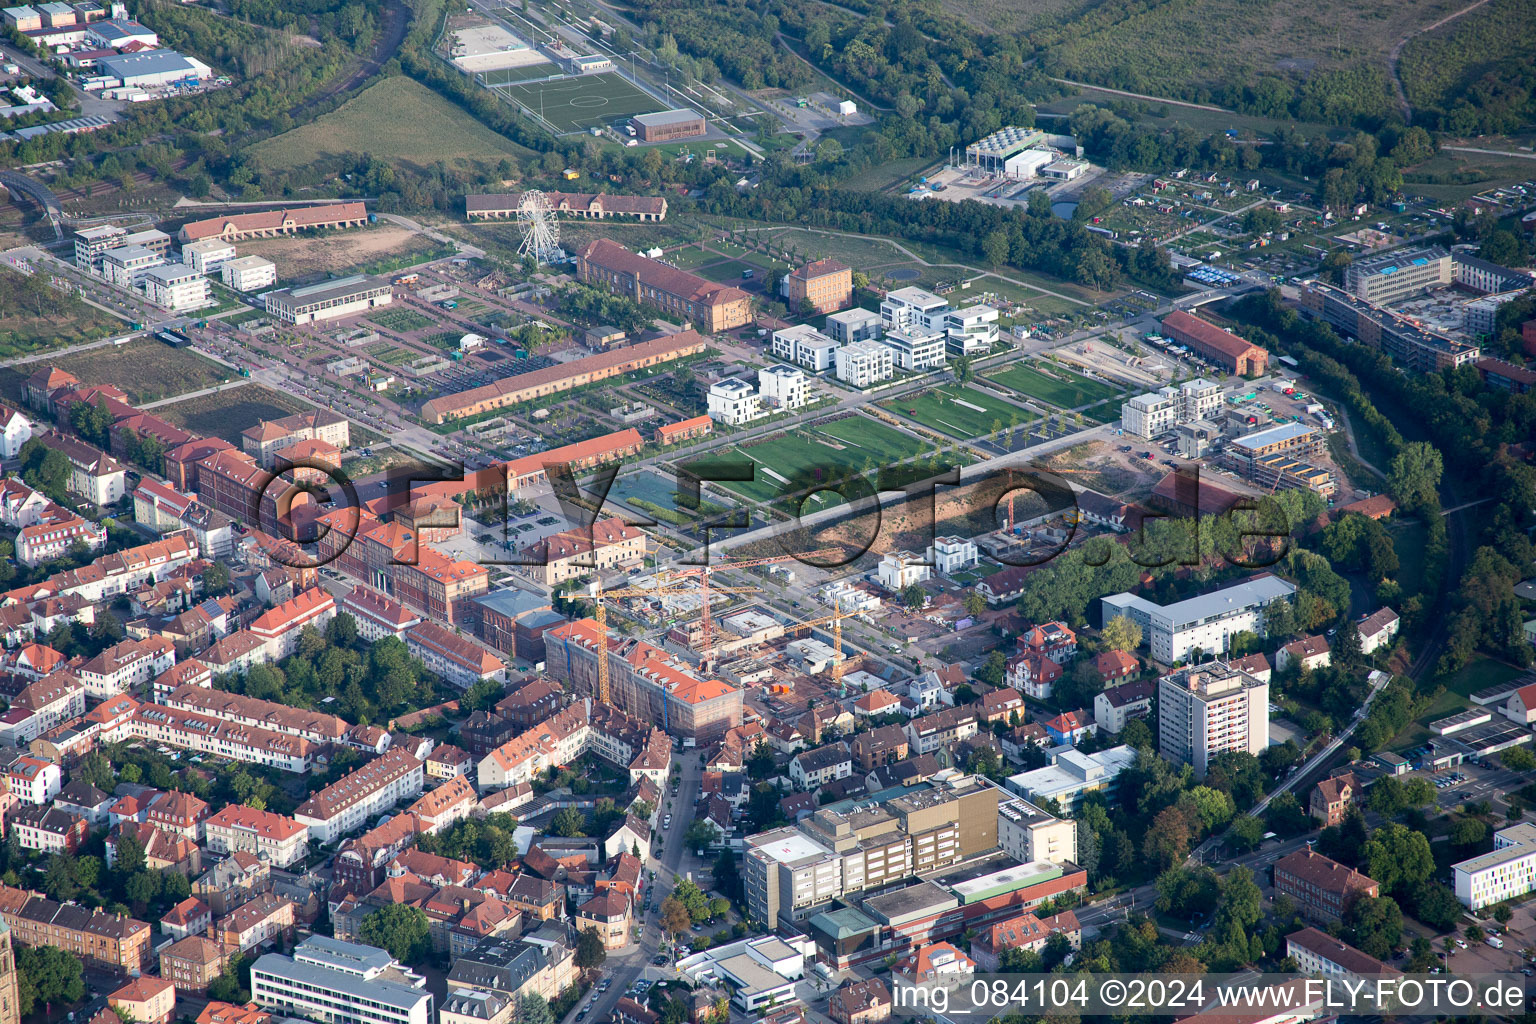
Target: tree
1246 832
912 596
1436 905
719 907
1121 634
962 369
1414 476
534 1009
701 833
1374 924
975 605
1518 759
47 974
674 916
568 821
1167 839
1398 858
590 954
400 930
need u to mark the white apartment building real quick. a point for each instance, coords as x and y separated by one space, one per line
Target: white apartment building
92 242
915 350
35 781
248 273
15 431
275 839
787 872
330 980
1321 955
897 571
1206 622
805 346
852 325
1205 710
781 387
176 286
969 331
1158 412
125 266
205 255
950 555
374 788
910 309
864 363
1026 833
733 402
1507 871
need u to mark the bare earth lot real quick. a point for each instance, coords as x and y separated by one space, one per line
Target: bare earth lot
301 256
146 369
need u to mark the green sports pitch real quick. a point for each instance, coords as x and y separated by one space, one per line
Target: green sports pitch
579 102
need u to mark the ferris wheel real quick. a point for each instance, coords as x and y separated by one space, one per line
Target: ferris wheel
541 231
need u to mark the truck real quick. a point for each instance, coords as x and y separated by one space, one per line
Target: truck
1495 942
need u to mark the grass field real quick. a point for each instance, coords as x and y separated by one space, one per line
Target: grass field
576 104
400 320
855 444
958 411
226 413
35 317
1062 388
1147 49
394 355
147 370
396 120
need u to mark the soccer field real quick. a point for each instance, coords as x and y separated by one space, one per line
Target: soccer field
958 411
579 102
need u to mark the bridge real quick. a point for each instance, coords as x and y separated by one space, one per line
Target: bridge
35 193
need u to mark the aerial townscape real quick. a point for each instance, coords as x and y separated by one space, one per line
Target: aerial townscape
733 511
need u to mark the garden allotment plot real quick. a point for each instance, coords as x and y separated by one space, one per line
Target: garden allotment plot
958 411
1060 387
579 102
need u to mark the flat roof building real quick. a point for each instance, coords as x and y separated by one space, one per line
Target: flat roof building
1208 710
330 980
329 300
669 125
1072 774
1393 276
1207 621
1417 347
1506 872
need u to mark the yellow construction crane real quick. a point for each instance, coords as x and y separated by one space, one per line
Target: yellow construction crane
600 615
836 618
701 573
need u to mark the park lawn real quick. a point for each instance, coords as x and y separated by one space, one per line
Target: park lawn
396 120
1061 388
146 369
941 408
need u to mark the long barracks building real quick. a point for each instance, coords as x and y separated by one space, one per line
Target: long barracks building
525 387
709 306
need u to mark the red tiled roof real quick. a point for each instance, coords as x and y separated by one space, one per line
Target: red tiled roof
1207 334
302 216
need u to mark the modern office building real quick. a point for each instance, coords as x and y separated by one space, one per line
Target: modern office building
329 300
1506 872
340 983
92 242
1487 278
1393 276
1206 622
1205 710
910 309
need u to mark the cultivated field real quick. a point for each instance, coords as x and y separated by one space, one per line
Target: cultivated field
1061 387
397 120
147 370
401 321
581 102
958 411
304 256
226 413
